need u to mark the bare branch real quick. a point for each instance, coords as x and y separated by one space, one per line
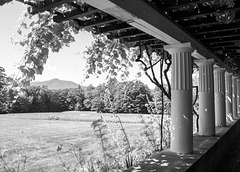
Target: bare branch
154 64
160 85
165 73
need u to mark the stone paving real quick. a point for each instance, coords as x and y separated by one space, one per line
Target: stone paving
231 161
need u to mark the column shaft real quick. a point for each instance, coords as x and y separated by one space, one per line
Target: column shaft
234 96
238 96
228 86
219 92
181 100
206 98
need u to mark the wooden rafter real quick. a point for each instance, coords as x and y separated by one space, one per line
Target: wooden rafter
222 43
234 56
74 14
181 4
214 29
96 21
137 39
229 54
221 40
151 42
209 21
197 17
230 47
112 28
159 46
230 51
46 6
207 11
74 5
226 44
221 36
129 33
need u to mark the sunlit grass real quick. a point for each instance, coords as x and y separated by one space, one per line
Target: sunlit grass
37 138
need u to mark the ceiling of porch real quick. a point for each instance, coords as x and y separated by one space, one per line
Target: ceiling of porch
214 27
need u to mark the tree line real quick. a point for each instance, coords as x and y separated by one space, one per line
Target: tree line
113 96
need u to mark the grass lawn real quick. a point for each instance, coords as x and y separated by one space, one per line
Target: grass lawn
38 138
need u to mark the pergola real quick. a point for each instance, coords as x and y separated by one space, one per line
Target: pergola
199 30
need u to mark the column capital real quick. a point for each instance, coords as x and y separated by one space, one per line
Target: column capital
177 48
198 56
205 62
228 73
218 69
235 77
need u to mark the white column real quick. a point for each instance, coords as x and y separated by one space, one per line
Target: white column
206 97
228 86
238 96
234 95
181 100
219 92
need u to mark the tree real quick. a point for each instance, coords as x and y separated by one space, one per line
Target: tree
75 99
88 97
3 78
54 101
97 102
37 97
21 105
38 36
5 92
131 97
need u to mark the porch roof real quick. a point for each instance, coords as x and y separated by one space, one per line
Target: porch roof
213 30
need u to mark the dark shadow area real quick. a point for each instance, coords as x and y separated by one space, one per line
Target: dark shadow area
208 152
231 161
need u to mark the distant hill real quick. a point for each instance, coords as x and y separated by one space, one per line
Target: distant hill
56 84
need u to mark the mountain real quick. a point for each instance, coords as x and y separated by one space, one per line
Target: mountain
56 84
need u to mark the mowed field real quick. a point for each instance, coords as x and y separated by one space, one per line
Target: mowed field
38 138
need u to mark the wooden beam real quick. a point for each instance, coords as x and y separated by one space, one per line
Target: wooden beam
46 6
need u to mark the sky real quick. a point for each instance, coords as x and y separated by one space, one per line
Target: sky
68 64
